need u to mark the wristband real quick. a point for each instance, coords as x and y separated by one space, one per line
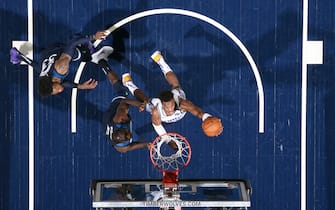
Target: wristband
68 84
205 116
160 130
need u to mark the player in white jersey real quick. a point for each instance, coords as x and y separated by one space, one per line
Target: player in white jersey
170 106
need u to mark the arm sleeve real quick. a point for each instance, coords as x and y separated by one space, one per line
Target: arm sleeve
160 130
68 84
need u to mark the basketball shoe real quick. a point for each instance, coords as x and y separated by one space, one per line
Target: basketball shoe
126 78
15 56
102 54
156 56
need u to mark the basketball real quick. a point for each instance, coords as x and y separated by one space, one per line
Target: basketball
212 126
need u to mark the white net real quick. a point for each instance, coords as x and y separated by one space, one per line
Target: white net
170 152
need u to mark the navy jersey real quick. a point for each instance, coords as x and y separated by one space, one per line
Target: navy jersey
52 54
48 59
110 126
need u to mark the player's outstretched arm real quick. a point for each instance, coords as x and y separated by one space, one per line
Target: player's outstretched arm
133 146
132 102
157 122
188 106
141 96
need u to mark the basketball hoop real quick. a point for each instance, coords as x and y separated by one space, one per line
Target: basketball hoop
170 153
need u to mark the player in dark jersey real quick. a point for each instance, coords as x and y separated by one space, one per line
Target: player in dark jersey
55 62
116 119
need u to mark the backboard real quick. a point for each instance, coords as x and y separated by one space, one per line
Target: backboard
170 153
201 194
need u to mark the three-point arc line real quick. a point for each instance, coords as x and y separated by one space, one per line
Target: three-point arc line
190 14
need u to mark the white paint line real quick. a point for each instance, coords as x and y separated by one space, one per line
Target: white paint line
74 98
312 53
74 110
31 185
215 24
303 110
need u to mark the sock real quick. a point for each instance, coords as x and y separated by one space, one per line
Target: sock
104 66
27 60
164 66
131 86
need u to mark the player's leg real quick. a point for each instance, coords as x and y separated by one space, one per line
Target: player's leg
102 54
16 57
71 47
170 76
112 76
101 57
83 53
138 93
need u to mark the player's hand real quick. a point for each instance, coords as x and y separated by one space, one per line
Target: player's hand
169 141
101 35
173 145
141 107
149 145
89 84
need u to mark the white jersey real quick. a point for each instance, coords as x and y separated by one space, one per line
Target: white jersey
177 114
